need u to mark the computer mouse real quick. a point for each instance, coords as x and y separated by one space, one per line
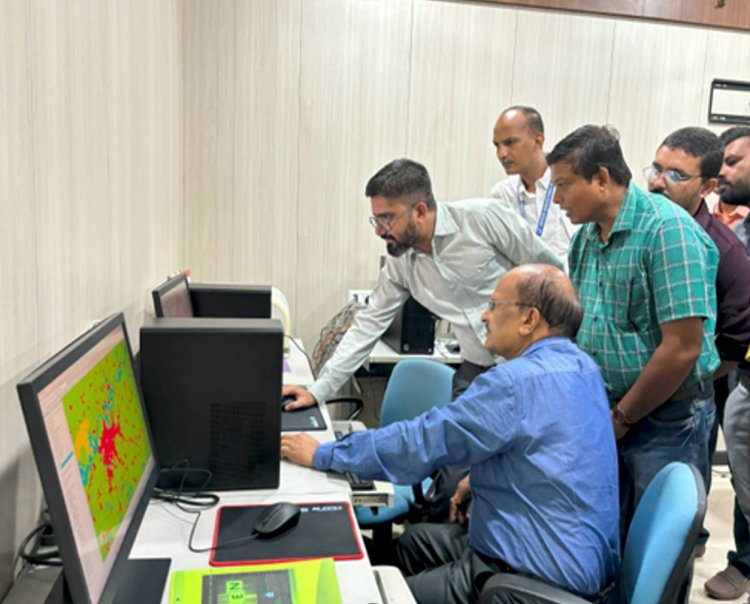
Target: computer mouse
276 519
453 346
288 399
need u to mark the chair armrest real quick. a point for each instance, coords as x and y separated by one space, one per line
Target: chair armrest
507 588
353 401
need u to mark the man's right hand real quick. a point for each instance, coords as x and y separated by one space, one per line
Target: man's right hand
302 397
460 502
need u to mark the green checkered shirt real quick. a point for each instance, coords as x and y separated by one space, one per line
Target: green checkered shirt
658 265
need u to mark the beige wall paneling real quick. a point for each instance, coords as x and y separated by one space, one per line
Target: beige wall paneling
562 68
727 58
657 85
461 78
353 100
19 491
90 193
209 61
242 105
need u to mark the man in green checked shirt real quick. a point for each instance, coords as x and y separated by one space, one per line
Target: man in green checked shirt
645 274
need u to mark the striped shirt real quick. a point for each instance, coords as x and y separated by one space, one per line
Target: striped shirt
658 265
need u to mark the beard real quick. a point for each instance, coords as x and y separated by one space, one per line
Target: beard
397 247
736 193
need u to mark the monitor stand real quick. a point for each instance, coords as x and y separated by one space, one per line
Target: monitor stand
141 580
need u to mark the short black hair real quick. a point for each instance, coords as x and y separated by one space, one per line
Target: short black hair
731 135
533 119
700 143
401 177
561 310
589 148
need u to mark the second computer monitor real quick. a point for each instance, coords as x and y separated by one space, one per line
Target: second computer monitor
172 298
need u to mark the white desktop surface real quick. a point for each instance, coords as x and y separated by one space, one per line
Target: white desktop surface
300 373
385 355
165 529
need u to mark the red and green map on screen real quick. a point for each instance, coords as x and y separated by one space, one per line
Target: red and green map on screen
110 441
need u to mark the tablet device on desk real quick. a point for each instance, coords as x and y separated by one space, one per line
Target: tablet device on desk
324 530
302 420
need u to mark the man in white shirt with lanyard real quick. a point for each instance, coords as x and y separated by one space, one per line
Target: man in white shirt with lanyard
518 138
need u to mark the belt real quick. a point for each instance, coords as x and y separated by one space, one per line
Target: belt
690 391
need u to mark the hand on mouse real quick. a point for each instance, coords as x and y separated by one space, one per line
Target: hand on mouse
302 396
299 448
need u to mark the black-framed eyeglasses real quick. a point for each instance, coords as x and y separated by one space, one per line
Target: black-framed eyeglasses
385 221
493 303
671 176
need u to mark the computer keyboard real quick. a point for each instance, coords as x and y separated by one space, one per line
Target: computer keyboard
355 482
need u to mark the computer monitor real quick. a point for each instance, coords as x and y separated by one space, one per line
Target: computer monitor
172 298
212 389
94 453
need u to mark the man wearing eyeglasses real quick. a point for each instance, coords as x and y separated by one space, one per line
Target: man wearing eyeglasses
645 274
448 256
685 170
537 433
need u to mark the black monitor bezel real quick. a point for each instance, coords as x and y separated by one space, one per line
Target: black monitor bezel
163 288
28 391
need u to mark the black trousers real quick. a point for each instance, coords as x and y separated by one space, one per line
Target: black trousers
439 565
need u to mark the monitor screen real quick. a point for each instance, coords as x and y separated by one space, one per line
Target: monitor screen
172 298
94 453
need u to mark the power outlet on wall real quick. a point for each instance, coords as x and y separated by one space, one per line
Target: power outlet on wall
360 295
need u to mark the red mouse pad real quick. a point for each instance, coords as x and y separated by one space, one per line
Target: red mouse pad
324 530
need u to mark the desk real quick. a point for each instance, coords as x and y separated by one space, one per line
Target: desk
383 354
299 371
165 529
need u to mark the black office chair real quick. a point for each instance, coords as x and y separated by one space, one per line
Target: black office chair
657 562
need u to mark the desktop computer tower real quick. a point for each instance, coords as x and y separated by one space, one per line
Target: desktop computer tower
412 330
212 390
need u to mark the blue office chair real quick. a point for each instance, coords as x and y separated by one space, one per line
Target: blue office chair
657 563
415 386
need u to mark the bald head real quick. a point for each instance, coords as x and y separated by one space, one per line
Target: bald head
550 290
520 115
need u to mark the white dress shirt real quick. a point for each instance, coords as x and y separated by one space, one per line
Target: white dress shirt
475 242
558 230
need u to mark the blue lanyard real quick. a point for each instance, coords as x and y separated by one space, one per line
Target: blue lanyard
545 207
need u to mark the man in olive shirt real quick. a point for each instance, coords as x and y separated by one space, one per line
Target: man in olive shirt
645 273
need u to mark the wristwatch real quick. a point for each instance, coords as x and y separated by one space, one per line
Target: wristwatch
619 416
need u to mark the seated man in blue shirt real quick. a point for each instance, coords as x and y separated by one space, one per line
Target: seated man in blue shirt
543 503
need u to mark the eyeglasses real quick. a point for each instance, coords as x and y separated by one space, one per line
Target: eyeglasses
385 221
671 176
493 303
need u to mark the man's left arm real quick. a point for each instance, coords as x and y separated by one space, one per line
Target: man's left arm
512 237
667 368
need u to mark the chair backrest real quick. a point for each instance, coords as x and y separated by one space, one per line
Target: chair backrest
415 386
658 556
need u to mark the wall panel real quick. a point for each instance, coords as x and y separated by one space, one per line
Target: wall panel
461 78
90 193
353 98
568 77
657 85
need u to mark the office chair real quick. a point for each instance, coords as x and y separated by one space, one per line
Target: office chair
657 562
415 386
